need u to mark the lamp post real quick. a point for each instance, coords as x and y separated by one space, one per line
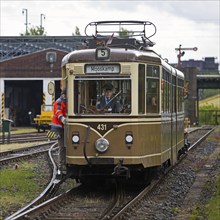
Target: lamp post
42 16
24 10
182 52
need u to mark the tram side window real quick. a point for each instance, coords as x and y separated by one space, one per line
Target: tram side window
180 95
169 96
141 89
164 92
174 98
165 88
152 89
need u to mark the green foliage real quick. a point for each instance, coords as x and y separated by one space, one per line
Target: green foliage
195 213
208 107
77 32
35 31
209 115
124 33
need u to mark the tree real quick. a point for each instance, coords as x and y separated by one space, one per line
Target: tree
77 32
124 33
35 31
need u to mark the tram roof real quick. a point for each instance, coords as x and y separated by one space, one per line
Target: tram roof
121 55
118 55
171 69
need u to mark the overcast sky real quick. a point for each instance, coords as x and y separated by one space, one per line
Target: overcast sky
186 22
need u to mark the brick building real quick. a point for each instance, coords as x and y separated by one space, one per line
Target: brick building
24 84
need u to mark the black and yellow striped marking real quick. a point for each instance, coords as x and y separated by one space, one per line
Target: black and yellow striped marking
3 106
52 135
44 99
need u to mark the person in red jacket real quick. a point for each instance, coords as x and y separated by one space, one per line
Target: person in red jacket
58 122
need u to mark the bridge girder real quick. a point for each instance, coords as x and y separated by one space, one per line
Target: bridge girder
208 81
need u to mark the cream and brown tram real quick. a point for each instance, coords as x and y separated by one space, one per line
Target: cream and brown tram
148 131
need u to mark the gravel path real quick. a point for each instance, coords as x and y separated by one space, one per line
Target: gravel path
185 186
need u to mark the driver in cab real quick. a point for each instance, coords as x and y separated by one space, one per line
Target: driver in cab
108 103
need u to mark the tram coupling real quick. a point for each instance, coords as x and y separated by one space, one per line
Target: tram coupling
119 170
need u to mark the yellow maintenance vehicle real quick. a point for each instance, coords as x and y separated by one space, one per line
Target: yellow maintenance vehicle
43 121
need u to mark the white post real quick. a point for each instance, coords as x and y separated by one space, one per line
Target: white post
48 97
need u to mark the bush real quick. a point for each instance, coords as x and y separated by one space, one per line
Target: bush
209 115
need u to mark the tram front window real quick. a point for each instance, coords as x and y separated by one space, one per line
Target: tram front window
102 96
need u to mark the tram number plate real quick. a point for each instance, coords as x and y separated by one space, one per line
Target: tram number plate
102 53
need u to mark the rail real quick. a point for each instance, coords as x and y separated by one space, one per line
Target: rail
133 202
45 195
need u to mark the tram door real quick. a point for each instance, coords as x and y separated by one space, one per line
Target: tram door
57 89
21 97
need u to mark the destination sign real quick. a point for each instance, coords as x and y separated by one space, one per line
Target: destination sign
102 68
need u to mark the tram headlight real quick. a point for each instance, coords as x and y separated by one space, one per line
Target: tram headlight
102 145
75 139
129 139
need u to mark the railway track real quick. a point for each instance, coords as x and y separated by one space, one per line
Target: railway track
199 135
52 187
135 202
87 203
23 153
25 137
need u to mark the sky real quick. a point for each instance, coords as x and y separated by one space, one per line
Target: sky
186 22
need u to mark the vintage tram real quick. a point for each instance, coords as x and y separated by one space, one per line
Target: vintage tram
148 131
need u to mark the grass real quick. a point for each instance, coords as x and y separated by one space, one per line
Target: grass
21 130
213 206
12 146
211 210
18 186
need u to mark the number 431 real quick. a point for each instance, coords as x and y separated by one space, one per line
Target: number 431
102 127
